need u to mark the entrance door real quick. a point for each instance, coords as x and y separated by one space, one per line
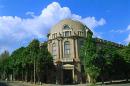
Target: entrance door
67 77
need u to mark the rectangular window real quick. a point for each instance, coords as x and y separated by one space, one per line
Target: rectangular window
63 34
54 50
70 33
56 34
66 33
67 48
53 36
78 33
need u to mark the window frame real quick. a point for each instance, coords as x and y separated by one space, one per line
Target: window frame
54 50
67 48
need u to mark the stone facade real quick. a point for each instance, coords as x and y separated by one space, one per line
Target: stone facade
64 42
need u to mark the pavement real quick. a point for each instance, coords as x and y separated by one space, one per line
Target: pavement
20 83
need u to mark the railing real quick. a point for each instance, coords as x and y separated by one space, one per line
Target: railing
67 60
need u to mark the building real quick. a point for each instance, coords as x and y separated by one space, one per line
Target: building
64 42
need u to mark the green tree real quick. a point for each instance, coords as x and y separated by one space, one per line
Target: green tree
16 63
106 54
34 50
31 63
45 63
3 65
125 54
88 56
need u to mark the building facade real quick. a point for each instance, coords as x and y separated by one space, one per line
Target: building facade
64 42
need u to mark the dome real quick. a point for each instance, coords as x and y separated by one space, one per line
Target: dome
67 24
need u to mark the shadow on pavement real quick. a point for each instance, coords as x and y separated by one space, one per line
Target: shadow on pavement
120 82
3 84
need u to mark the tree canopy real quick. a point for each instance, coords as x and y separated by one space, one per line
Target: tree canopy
105 60
29 63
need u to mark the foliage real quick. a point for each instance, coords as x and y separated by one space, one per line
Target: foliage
88 56
101 61
125 52
20 64
105 60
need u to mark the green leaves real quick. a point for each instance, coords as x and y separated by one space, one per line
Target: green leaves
125 53
21 61
103 57
88 57
34 46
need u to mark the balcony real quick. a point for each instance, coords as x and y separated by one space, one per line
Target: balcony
67 59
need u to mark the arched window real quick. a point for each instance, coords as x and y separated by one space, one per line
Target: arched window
54 50
66 27
67 48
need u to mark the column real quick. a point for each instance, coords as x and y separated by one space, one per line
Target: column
61 49
58 49
74 52
73 74
76 46
49 46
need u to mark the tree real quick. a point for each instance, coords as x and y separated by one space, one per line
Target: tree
31 63
106 54
3 65
125 54
16 63
45 63
88 56
34 49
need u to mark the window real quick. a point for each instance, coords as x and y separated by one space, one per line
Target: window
67 48
56 34
67 33
70 33
78 33
82 33
53 36
54 50
66 26
81 43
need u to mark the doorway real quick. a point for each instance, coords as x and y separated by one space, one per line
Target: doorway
67 76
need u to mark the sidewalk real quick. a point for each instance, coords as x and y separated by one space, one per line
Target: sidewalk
21 83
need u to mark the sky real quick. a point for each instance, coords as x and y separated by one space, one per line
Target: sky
23 20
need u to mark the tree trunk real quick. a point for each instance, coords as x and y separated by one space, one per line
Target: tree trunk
13 75
22 74
26 76
88 78
34 72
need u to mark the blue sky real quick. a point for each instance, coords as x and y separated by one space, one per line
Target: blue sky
23 20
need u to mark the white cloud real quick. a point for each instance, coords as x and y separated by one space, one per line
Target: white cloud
119 31
128 28
127 40
91 22
30 13
14 31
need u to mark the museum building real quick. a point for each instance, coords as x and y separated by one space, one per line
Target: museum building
64 42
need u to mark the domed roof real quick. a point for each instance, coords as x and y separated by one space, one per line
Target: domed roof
67 24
